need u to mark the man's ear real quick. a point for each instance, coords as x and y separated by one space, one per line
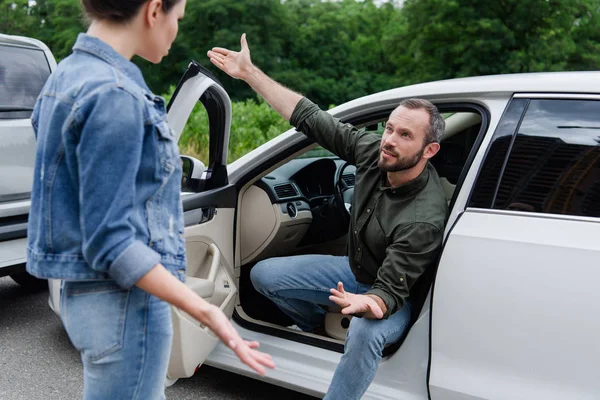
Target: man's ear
431 150
151 11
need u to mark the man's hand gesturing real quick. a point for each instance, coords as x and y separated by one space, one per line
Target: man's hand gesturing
236 64
356 303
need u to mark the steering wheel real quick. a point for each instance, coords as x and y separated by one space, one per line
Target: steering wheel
343 194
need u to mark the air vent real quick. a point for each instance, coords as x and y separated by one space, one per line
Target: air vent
285 191
349 179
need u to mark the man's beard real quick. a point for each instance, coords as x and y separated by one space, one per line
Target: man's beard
402 163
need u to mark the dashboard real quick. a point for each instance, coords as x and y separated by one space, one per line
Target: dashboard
293 207
308 180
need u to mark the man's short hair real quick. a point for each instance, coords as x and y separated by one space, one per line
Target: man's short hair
436 121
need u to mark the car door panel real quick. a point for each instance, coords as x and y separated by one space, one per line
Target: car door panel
515 293
209 223
506 317
209 252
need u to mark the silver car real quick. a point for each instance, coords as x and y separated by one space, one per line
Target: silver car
25 64
509 312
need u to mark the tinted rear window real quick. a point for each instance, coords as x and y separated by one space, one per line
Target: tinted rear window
23 73
554 163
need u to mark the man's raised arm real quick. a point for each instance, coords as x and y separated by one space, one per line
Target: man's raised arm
239 65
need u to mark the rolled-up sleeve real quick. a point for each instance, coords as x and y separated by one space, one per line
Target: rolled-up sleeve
416 247
109 152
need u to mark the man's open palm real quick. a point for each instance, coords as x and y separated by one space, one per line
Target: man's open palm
354 303
234 63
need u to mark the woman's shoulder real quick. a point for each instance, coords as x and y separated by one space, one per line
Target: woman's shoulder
83 78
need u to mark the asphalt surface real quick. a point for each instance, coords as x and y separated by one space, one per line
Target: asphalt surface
37 361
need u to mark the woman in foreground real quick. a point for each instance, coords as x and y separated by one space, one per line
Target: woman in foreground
106 213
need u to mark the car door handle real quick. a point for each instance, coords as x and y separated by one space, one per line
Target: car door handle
199 216
214 251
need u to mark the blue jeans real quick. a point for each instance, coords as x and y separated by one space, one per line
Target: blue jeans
299 284
124 337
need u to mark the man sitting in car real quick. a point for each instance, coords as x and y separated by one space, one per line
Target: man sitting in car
396 228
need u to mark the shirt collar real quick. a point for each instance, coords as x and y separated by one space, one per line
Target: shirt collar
96 47
409 188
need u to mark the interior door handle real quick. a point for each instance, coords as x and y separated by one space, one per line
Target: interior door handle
199 216
214 251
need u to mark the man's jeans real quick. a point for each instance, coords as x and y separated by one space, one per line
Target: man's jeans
299 284
124 337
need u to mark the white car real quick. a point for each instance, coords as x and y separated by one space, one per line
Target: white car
511 310
25 64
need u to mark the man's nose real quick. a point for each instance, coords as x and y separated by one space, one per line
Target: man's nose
389 141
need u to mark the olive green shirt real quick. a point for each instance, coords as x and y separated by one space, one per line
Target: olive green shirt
395 232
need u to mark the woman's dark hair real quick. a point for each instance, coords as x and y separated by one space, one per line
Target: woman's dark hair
119 10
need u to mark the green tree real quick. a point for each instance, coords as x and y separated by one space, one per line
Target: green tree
221 23
586 35
16 18
56 22
336 52
60 22
449 38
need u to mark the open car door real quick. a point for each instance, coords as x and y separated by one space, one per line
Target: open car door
209 209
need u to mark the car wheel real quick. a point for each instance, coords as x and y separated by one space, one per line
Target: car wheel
29 282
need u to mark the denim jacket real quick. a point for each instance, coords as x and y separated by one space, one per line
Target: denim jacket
106 194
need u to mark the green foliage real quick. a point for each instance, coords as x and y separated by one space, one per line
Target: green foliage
450 38
344 40
14 18
54 22
221 23
253 123
335 51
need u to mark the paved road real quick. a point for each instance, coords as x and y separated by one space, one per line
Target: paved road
37 360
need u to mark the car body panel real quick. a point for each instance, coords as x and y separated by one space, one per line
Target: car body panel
12 253
309 369
17 159
17 153
527 335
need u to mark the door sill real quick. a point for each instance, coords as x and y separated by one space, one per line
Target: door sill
327 343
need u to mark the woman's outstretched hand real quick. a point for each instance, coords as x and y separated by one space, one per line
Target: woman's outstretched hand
214 318
162 284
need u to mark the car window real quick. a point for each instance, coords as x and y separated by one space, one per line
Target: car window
195 138
554 163
23 72
462 130
489 174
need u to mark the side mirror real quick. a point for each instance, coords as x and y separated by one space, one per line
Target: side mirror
193 169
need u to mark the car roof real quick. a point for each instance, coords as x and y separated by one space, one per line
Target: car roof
21 41
586 82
